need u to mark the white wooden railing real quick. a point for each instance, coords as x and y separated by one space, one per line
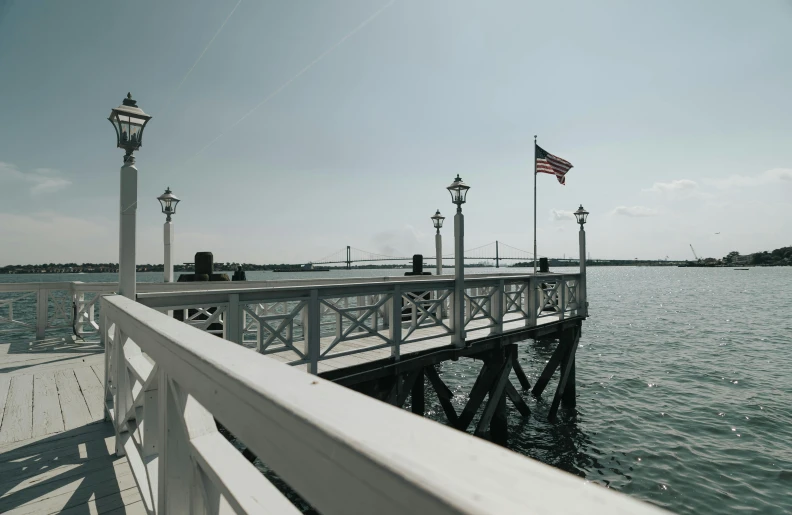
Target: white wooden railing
55 305
311 322
272 316
36 307
343 452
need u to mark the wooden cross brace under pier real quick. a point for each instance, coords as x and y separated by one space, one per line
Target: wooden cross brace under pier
397 382
564 358
492 383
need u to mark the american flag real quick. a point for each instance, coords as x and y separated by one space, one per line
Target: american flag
548 163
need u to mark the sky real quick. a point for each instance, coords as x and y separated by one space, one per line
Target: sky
293 129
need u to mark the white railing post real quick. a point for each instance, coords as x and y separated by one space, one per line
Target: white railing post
109 354
151 430
395 305
386 315
174 464
42 312
233 323
78 299
120 404
497 307
312 331
530 301
562 297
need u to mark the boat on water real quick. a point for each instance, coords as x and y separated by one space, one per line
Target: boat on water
308 267
742 269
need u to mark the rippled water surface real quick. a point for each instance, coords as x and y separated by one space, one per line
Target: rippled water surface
684 389
684 383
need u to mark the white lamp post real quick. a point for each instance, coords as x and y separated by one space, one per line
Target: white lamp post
168 201
581 215
458 190
128 120
437 220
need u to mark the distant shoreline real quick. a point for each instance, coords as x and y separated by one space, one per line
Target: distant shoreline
38 270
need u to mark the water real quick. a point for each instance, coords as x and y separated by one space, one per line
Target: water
684 389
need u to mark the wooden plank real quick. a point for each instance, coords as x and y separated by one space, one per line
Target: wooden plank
47 416
102 492
549 369
19 449
44 459
73 406
517 400
246 493
66 486
135 508
407 385
50 364
417 397
520 373
5 385
92 391
106 504
18 415
98 468
571 336
495 395
477 393
443 394
99 371
569 399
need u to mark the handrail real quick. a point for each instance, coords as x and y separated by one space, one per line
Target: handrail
354 317
77 301
343 452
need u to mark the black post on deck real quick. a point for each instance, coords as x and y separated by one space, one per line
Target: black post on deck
349 258
497 259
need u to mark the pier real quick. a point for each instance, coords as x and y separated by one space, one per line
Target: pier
127 406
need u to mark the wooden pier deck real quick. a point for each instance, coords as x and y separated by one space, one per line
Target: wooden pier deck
57 454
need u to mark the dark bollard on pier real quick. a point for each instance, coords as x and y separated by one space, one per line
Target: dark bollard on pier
204 270
417 266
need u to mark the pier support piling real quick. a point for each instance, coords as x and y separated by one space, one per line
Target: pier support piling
564 358
417 397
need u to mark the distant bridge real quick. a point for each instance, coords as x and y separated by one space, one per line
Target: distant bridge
494 251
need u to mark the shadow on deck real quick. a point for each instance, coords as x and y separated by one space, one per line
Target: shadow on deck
56 450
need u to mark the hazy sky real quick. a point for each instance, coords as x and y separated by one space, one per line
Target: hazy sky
676 115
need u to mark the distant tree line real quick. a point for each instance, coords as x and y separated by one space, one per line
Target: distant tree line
778 257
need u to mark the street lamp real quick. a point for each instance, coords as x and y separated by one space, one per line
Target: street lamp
128 121
168 201
437 221
582 215
458 190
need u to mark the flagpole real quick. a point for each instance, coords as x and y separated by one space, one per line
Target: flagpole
535 258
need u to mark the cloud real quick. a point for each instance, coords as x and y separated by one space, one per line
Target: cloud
774 176
679 185
560 215
40 180
635 211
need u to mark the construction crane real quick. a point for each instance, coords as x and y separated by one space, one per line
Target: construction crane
694 253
